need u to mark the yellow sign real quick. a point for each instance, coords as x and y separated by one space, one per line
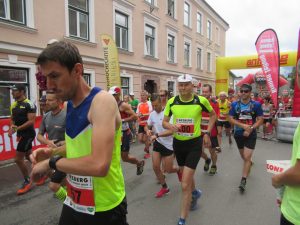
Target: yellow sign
111 61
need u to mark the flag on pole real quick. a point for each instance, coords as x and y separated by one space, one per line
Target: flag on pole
268 52
111 61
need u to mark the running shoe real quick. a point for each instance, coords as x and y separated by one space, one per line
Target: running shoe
41 181
140 167
162 192
181 221
196 194
213 170
24 188
242 186
179 174
218 149
206 165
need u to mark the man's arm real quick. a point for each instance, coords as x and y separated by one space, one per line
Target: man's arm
290 177
128 110
30 122
212 120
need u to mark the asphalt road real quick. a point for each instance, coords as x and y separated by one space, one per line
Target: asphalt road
220 204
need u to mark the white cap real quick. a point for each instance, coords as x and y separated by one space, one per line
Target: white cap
114 90
131 93
52 41
185 78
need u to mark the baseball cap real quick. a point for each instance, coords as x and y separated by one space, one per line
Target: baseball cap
246 86
114 90
18 87
185 78
131 93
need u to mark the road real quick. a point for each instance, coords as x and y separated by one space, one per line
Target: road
220 204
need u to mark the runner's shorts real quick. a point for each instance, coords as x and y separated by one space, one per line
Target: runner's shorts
158 147
214 142
115 216
25 144
225 124
141 129
126 137
248 142
268 120
188 152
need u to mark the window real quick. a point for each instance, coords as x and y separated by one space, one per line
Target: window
125 85
150 2
209 62
171 88
187 14
217 35
209 29
79 19
187 47
171 8
199 23
87 78
8 77
150 40
199 58
121 30
13 10
171 48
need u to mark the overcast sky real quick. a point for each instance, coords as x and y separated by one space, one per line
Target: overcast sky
248 18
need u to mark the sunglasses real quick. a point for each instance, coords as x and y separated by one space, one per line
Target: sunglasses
244 91
162 95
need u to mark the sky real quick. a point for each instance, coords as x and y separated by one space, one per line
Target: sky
248 18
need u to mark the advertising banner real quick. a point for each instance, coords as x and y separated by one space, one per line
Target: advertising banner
111 61
278 166
8 145
268 52
296 106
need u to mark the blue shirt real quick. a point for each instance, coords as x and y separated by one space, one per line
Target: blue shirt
245 113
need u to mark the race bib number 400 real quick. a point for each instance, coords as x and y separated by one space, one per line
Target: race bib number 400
186 126
80 194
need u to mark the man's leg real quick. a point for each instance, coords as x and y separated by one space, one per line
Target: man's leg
247 161
19 160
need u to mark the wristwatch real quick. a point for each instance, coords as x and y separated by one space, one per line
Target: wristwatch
53 160
157 136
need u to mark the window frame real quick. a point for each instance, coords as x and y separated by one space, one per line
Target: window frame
188 13
199 61
172 14
209 30
209 61
199 30
151 23
189 43
121 29
27 13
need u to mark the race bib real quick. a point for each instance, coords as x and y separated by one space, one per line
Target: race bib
80 194
186 127
246 119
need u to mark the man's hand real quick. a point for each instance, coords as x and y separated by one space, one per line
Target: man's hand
39 170
39 155
51 144
149 133
12 130
175 127
206 141
275 181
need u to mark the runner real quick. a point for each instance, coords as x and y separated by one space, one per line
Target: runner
162 146
54 124
22 121
127 115
206 92
224 106
267 111
246 115
144 109
133 124
186 109
95 184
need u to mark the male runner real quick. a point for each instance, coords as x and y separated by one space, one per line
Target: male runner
22 121
268 112
127 115
186 109
95 183
162 146
133 124
246 115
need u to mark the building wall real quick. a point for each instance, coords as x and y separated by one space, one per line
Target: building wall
21 44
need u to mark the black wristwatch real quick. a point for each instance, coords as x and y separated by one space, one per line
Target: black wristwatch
157 136
53 160
208 133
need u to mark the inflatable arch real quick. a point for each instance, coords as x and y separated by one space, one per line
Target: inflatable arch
224 64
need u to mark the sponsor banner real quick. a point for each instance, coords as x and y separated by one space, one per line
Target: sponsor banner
268 52
296 106
8 145
277 166
111 61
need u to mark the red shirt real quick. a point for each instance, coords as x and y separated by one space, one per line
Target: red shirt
205 119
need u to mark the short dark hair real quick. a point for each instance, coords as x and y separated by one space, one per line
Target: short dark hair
209 87
247 86
62 52
155 97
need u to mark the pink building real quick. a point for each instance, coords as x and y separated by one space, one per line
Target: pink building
158 40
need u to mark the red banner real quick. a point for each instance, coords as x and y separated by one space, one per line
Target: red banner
268 52
8 145
296 106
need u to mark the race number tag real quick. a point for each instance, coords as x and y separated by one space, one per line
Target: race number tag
246 119
186 127
80 195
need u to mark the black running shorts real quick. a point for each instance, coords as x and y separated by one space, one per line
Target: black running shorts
225 124
188 152
158 147
115 216
126 137
141 130
25 144
248 142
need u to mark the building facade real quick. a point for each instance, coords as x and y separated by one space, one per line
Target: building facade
158 40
